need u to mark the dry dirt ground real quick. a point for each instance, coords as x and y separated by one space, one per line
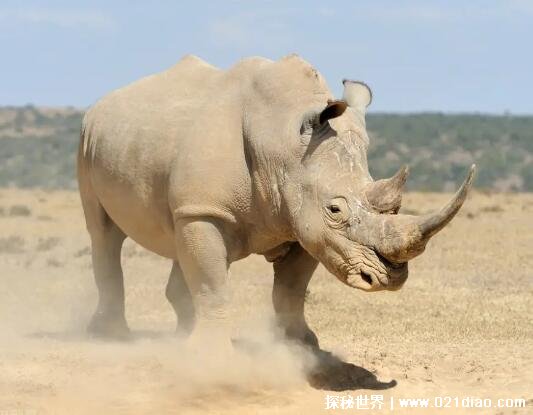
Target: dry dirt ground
461 326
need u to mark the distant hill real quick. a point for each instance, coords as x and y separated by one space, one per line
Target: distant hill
439 147
38 147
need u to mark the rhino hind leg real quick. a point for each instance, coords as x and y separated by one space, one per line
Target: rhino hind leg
179 296
109 319
292 274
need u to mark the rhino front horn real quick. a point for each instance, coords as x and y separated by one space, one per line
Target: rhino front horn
430 224
403 237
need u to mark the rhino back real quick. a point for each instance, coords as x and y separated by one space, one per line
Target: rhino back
170 141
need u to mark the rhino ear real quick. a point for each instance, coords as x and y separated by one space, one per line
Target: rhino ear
334 109
357 94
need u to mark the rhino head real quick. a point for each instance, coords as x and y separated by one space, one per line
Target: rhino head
337 212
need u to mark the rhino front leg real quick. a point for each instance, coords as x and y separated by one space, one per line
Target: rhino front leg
180 298
292 274
202 255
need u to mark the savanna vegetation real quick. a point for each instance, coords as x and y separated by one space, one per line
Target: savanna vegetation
38 147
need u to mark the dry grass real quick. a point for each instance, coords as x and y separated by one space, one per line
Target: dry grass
461 326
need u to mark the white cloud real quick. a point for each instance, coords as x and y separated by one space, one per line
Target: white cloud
427 12
230 31
406 12
326 11
249 28
87 19
522 6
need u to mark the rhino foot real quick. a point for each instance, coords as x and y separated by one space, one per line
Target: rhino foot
304 336
108 327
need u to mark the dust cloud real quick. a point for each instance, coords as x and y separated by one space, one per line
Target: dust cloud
49 364
71 372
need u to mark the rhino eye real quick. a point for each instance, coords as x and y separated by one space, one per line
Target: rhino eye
337 211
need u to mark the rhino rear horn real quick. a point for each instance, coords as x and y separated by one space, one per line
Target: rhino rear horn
385 195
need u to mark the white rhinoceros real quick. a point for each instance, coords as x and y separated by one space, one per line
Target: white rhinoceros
205 167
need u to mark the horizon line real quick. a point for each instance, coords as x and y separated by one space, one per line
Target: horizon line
506 113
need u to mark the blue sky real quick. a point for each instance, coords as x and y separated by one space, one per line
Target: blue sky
453 56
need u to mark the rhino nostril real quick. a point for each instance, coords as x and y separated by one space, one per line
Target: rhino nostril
367 278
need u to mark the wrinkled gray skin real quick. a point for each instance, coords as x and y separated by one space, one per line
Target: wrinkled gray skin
206 167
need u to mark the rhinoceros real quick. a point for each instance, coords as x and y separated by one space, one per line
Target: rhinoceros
206 166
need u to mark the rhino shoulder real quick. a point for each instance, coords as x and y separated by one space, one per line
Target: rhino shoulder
191 63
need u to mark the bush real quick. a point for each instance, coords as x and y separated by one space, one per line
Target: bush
19 210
